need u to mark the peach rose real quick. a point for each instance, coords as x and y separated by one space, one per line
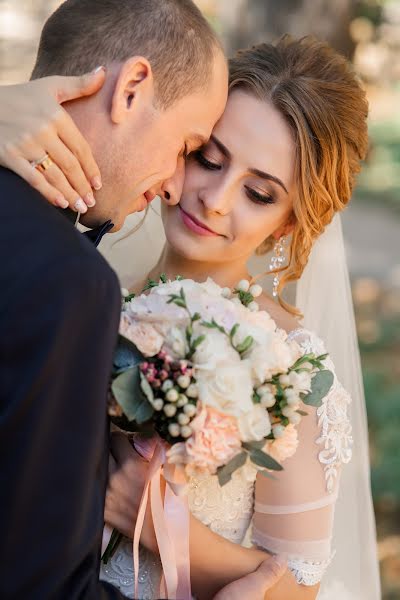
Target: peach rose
214 442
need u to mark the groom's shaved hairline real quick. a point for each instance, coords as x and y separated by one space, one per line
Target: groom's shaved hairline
172 34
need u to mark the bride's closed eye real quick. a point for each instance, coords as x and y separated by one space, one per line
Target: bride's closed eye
259 198
203 161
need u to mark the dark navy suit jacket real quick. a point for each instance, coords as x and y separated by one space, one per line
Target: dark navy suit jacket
59 313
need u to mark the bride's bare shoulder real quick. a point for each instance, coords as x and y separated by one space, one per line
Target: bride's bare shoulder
282 317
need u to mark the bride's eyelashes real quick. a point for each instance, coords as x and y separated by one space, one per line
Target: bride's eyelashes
259 198
204 162
251 193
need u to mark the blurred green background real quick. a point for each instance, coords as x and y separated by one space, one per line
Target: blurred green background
367 32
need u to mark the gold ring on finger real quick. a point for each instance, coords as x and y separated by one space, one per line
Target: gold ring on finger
42 164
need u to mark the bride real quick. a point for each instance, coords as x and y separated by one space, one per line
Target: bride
281 163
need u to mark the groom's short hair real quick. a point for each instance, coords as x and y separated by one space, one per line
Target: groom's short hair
172 34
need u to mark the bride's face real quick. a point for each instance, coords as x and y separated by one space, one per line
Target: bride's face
238 188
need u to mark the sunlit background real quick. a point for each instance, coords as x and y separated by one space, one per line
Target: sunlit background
368 32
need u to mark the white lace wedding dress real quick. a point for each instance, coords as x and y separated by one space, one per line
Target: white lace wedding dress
291 515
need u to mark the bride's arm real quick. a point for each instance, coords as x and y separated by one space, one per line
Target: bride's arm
214 561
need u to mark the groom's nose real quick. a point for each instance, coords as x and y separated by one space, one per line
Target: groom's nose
171 189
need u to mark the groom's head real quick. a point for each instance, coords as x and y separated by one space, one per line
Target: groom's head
166 86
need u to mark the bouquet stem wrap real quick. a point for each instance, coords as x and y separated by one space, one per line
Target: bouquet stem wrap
170 519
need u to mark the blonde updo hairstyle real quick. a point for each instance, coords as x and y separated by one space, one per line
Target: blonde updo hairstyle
321 99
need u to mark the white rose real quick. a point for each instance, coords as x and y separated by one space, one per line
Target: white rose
228 388
254 425
276 356
215 348
145 337
301 381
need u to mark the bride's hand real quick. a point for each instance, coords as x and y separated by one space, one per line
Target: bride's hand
33 124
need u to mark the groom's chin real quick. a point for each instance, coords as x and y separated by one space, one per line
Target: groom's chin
91 221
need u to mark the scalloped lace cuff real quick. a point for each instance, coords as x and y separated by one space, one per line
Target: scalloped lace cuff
308 572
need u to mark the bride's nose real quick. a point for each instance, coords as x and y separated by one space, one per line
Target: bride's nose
217 198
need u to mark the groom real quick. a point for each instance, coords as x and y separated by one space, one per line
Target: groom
166 86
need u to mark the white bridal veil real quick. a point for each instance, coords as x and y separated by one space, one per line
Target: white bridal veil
324 296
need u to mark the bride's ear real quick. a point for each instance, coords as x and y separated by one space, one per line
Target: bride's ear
285 229
134 88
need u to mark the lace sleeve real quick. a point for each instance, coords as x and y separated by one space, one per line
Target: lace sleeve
294 513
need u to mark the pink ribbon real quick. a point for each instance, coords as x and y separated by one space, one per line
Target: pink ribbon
170 520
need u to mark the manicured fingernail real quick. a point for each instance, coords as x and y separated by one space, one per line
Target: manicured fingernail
89 199
96 183
80 206
62 202
98 69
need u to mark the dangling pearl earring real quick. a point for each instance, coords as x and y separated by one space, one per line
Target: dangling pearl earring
277 261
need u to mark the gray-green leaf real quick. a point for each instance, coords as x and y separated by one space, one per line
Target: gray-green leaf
320 385
260 458
129 395
225 473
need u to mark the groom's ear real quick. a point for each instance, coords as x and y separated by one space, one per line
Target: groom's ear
134 86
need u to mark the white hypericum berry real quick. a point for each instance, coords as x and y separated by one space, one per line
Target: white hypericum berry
170 410
186 431
183 381
167 385
172 395
182 400
243 285
226 292
284 380
253 306
287 411
158 404
190 410
255 290
295 418
278 431
183 419
124 292
174 430
192 391
268 401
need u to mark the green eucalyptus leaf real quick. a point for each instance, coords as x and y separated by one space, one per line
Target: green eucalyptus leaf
320 385
250 446
261 459
225 473
128 393
267 474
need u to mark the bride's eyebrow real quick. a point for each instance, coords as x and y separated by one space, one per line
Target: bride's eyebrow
224 150
268 176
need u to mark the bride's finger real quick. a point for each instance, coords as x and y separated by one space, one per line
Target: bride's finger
77 144
24 169
32 151
69 171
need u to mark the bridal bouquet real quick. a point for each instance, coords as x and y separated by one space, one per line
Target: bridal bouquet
212 379
213 376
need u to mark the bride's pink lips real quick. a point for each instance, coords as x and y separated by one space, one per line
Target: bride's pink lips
195 225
